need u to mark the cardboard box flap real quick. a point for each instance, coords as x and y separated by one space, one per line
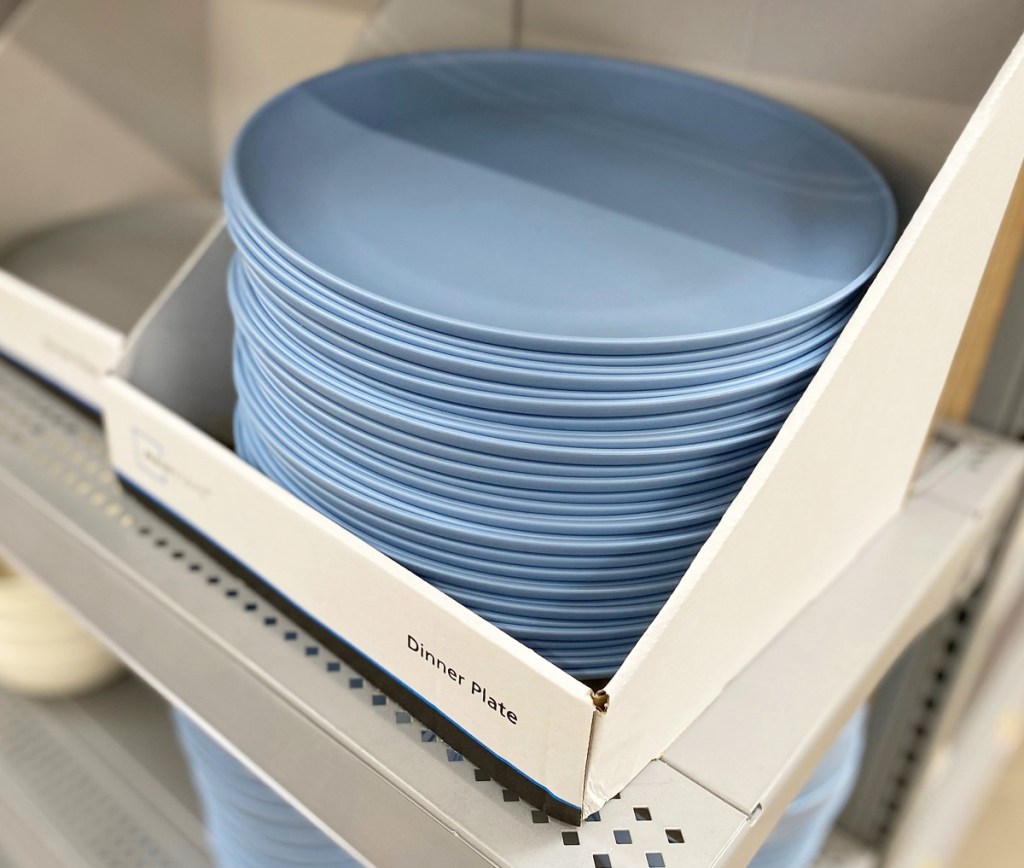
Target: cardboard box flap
842 463
201 391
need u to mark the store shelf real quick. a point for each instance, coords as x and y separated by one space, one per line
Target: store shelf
99 782
95 783
360 767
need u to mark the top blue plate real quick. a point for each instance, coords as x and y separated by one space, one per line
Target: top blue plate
561 202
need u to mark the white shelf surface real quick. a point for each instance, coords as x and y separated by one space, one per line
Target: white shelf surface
366 772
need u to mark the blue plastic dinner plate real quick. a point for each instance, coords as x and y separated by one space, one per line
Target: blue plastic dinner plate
295 287
535 629
233 850
536 500
247 795
433 556
361 504
324 316
540 503
510 499
530 628
330 416
589 674
539 479
609 660
435 540
254 802
337 481
593 648
565 628
800 833
494 571
319 350
248 823
342 401
526 321
582 611
398 518
302 845
332 387
562 202
709 407
553 584
223 772
232 791
551 502
439 553
833 766
251 798
292 332
292 842
307 359
319 417
328 470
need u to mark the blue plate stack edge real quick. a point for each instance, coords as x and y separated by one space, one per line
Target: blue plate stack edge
248 825
800 834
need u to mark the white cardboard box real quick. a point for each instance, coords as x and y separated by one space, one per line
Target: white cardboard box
838 471
116 115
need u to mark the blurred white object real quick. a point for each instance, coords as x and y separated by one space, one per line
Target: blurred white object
44 652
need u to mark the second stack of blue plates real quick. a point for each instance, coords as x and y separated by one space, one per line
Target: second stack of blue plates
800 834
525 322
247 824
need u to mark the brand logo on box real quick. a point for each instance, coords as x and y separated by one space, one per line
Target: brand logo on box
150 459
149 456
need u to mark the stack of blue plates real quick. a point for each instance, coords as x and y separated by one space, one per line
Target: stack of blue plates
247 823
525 322
797 839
